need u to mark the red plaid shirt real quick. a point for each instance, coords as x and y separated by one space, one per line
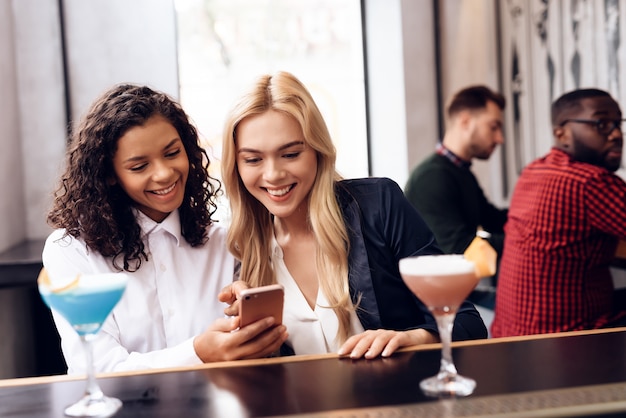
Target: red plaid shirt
563 226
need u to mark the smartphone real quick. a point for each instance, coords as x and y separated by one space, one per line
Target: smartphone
261 302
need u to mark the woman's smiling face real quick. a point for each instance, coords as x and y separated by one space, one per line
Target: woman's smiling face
274 162
151 166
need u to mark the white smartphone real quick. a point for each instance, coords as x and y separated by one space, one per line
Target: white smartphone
261 302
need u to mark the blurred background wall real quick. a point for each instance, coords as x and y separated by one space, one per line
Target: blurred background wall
411 55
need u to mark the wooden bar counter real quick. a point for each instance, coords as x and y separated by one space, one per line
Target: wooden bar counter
568 374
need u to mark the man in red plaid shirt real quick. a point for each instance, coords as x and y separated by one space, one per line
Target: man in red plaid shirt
566 216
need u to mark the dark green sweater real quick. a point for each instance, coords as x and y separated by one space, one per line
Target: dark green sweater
453 205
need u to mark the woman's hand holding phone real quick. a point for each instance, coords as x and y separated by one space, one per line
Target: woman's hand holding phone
259 338
252 304
231 295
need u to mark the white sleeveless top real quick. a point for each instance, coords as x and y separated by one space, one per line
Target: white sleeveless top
310 331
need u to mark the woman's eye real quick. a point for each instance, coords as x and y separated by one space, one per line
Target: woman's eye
292 155
138 167
251 160
172 154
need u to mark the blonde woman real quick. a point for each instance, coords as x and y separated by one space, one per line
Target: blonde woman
333 244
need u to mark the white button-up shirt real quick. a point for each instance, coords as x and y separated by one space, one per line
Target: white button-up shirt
168 301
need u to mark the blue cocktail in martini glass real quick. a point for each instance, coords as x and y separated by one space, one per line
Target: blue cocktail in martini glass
85 302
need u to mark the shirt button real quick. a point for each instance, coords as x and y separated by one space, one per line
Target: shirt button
162 267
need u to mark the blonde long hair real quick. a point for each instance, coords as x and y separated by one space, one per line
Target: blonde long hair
251 229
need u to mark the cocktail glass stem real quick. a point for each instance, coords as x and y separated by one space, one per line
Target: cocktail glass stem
93 390
445 323
447 382
93 403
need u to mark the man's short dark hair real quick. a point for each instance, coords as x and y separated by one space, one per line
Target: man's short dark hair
474 98
568 102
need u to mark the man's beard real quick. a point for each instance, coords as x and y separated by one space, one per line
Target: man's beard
585 154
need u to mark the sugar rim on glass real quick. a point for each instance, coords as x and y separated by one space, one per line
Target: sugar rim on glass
95 282
439 264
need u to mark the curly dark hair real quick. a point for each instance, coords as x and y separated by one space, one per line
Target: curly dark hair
91 206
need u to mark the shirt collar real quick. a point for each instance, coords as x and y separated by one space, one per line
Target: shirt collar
456 160
171 224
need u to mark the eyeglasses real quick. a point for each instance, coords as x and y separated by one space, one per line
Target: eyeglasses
603 126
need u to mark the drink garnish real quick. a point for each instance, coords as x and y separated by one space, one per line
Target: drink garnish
44 279
483 255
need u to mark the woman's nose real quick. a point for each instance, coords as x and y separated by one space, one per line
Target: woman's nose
273 171
162 171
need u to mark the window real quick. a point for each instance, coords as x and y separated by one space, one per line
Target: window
224 44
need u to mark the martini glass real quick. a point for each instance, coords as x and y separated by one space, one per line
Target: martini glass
442 282
85 303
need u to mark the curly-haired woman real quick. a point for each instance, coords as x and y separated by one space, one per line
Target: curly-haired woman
136 196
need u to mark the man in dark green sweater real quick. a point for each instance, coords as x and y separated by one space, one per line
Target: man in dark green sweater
444 189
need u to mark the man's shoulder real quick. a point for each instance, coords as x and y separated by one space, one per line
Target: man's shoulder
434 163
433 160
435 172
560 165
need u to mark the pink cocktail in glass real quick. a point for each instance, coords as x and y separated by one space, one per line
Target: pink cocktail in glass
442 282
